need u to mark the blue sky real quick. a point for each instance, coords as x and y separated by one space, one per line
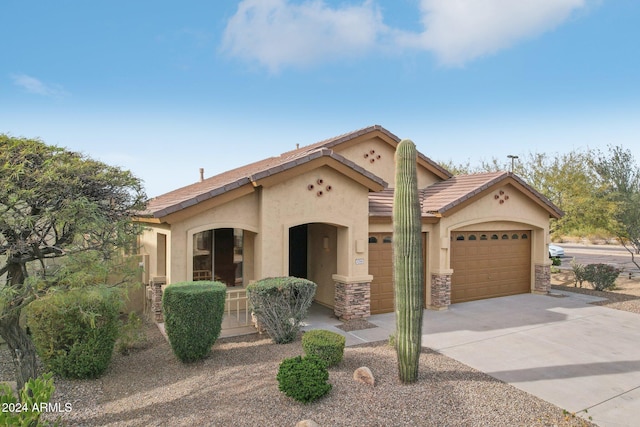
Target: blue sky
163 88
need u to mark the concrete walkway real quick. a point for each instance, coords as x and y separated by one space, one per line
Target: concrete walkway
580 357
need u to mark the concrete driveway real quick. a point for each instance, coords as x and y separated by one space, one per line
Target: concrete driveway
580 357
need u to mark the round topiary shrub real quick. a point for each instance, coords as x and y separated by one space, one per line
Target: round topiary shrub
74 332
327 345
193 317
281 304
303 379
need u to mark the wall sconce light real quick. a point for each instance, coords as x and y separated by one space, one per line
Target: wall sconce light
325 243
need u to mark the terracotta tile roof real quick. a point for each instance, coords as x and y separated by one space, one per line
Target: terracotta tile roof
211 187
381 203
190 195
442 196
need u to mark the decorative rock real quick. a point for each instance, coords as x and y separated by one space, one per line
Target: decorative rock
364 375
307 423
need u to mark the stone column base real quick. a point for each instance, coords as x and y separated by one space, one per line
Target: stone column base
156 298
352 300
440 291
543 279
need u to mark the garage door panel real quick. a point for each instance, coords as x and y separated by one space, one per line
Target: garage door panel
381 268
491 267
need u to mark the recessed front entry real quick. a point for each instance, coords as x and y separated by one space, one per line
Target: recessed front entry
313 255
488 264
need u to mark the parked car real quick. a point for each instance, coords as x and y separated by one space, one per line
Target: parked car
555 251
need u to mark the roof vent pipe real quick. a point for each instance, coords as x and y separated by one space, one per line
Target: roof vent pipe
201 174
297 146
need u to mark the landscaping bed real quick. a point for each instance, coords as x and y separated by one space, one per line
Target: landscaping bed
236 385
625 296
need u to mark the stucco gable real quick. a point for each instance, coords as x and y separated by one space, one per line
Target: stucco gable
347 140
446 197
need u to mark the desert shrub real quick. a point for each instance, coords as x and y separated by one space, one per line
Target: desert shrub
36 392
303 379
132 334
327 345
556 261
193 317
281 304
579 273
601 276
74 332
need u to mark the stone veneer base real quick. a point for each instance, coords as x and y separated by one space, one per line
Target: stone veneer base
440 291
542 279
352 300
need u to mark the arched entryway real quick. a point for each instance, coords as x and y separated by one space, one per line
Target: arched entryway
313 255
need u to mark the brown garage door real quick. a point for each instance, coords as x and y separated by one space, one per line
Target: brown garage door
489 264
381 268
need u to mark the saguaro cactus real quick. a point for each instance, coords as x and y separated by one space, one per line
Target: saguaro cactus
407 262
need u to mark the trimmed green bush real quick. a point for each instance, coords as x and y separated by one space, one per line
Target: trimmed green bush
75 331
303 379
281 304
601 276
193 317
327 345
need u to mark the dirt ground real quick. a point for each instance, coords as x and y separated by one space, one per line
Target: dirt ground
624 285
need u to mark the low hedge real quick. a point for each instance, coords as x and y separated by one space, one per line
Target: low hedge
281 304
193 317
74 332
327 345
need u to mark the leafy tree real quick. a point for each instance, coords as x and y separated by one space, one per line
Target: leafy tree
569 181
55 203
620 179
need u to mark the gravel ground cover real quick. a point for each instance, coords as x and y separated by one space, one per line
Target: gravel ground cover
236 386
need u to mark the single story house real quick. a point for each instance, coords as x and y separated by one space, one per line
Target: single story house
324 212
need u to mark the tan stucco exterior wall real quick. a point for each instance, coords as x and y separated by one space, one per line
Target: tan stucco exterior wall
149 249
291 203
322 261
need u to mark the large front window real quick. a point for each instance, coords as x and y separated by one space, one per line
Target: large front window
218 255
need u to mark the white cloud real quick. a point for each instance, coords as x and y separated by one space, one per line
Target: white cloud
458 31
35 86
280 33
